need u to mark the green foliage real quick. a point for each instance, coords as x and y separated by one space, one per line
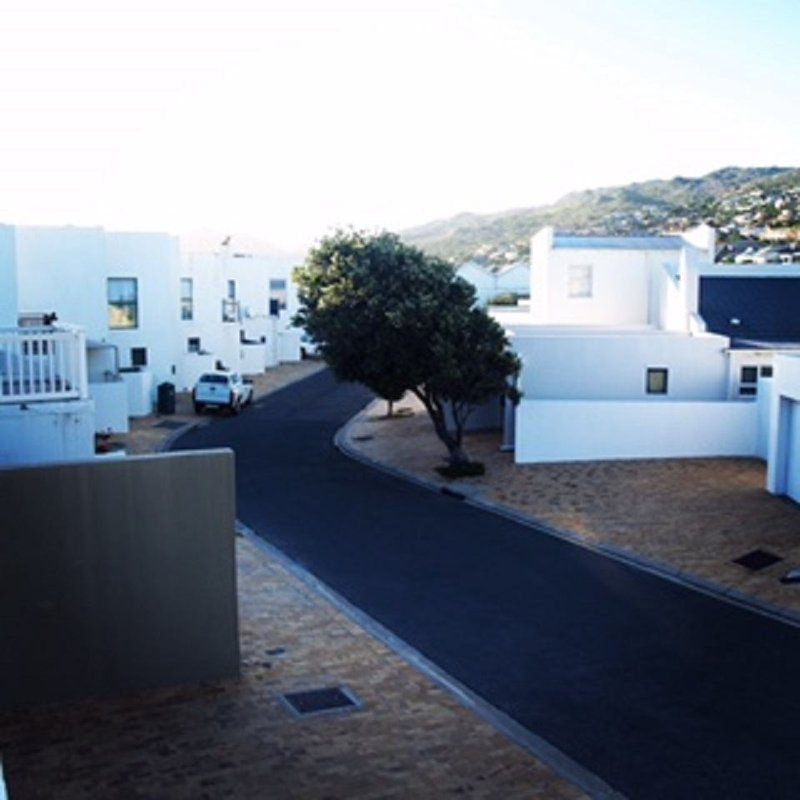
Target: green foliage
504 299
390 317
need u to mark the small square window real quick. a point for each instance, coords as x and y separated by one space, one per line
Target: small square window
766 372
579 280
657 380
749 374
139 356
193 344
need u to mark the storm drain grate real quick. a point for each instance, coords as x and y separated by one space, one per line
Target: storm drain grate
328 700
756 560
169 424
366 437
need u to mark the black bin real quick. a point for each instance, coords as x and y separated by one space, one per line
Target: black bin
166 398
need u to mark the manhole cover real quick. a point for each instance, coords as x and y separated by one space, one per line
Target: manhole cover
756 560
321 701
169 424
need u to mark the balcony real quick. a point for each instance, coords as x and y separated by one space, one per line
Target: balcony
42 364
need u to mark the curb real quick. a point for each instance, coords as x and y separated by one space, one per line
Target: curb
178 432
658 568
551 756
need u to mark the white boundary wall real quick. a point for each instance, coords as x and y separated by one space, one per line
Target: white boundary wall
589 430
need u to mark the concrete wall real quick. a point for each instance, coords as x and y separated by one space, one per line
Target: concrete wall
124 579
34 433
585 430
605 364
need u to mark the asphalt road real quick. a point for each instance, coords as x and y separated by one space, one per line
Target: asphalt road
661 691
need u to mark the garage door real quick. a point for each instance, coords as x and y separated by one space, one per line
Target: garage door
793 452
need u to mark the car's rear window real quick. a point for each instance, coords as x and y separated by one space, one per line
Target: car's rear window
214 379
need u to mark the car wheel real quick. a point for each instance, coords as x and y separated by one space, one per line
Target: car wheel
198 407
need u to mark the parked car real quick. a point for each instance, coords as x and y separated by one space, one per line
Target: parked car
222 389
308 347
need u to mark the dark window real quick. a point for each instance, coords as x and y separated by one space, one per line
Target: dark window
139 356
187 298
230 311
766 372
123 303
193 344
657 380
749 374
277 295
231 290
747 390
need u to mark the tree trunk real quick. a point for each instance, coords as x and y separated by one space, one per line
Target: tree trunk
390 408
456 454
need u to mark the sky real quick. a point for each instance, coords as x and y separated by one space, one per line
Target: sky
284 120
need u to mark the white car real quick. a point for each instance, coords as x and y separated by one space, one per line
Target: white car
308 347
221 390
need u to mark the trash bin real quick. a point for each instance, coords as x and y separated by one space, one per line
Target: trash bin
166 398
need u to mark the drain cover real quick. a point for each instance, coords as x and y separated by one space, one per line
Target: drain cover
320 701
756 560
169 424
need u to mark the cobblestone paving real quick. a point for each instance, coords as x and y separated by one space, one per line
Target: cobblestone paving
236 739
695 515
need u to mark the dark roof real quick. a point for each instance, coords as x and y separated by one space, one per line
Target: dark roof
767 309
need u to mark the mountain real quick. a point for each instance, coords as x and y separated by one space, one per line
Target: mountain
742 202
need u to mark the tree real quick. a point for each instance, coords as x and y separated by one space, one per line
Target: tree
390 317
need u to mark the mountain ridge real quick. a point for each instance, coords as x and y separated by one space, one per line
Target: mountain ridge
740 201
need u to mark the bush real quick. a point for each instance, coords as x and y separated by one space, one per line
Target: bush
505 299
467 469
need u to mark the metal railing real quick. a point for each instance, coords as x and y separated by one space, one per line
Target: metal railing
42 364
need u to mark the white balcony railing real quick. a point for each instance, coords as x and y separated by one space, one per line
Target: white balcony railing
42 364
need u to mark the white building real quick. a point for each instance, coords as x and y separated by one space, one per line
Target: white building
46 413
642 347
617 362
159 314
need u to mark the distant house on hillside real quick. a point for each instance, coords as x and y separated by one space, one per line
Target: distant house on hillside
489 283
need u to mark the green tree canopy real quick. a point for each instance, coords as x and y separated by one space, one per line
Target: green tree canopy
388 316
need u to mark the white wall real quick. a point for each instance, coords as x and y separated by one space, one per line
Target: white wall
44 432
582 363
8 278
110 406
580 430
783 456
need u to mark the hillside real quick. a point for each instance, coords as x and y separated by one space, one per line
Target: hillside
742 202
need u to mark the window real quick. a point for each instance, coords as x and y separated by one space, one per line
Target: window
579 281
748 381
193 344
749 374
766 372
123 306
230 311
139 356
187 298
657 380
277 296
231 290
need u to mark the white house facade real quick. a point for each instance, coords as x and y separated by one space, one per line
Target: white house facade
167 315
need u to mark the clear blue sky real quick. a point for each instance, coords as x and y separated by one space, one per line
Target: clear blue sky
282 119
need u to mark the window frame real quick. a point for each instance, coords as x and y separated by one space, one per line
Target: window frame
654 372
136 362
128 307
586 279
187 300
